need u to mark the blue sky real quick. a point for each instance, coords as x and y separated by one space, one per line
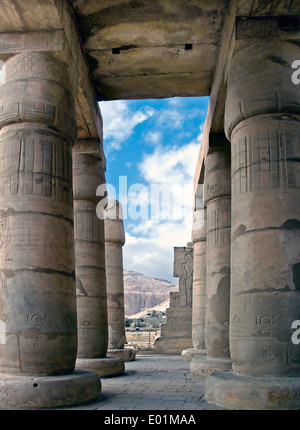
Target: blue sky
151 147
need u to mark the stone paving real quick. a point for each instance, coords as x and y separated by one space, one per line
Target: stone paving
152 382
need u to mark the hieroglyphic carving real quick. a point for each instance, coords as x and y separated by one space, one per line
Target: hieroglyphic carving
261 162
31 41
87 228
186 278
218 227
266 336
29 65
271 7
21 102
36 165
28 111
183 269
36 320
69 321
3 225
53 114
179 315
253 28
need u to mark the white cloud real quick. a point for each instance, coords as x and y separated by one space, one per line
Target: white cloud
175 101
119 122
172 118
153 137
149 244
153 256
175 116
168 170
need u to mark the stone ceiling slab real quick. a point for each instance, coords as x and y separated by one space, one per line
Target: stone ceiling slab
152 39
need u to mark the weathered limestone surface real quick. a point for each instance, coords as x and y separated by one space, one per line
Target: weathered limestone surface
153 46
38 333
88 174
217 198
199 286
36 217
262 122
191 353
114 241
132 49
199 278
176 334
89 257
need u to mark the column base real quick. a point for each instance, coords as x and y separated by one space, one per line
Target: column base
230 391
105 367
206 365
126 354
190 353
44 392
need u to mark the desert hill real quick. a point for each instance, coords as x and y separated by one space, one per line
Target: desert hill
142 292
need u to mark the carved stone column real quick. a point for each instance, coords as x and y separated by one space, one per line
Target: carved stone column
217 198
88 174
199 286
263 123
199 279
114 241
38 333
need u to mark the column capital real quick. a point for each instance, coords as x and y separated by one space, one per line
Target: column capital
113 223
260 82
37 88
92 147
217 176
88 174
199 225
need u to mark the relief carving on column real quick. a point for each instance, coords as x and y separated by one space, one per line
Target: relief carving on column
34 89
266 161
29 65
36 243
34 165
185 277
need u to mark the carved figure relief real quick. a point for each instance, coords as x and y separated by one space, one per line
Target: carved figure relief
186 278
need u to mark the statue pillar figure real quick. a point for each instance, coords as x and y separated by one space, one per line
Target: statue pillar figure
176 333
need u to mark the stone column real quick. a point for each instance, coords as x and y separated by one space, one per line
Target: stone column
199 280
114 241
199 286
217 198
263 123
38 334
88 174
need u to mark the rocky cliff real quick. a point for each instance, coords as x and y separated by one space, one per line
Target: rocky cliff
142 292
